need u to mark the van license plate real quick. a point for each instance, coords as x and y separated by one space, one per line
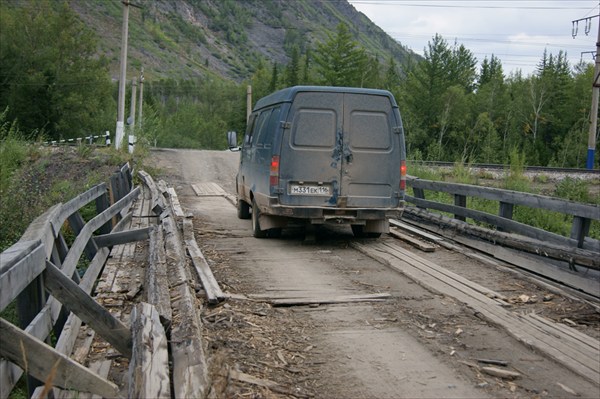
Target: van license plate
309 190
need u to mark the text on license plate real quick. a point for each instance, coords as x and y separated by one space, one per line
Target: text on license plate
309 190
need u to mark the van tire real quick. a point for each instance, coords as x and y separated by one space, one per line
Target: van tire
256 230
243 209
359 232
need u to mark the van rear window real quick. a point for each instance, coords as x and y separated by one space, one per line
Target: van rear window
370 130
314 128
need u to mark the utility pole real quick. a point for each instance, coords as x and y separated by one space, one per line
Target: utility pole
248 102
595 91
594 112
141 98
119 133
131 119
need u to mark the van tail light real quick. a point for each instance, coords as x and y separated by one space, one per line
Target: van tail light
402 175
274 172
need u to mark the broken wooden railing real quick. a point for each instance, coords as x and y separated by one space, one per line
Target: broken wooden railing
39 273
576 249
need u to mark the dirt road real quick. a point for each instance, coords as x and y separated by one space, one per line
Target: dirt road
413 344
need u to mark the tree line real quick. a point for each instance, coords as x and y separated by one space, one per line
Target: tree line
55 86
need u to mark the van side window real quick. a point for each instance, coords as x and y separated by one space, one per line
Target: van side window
249 128
268 127
260 125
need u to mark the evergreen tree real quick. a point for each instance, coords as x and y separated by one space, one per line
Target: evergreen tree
293 68
340 61
52 77
274 79
392 77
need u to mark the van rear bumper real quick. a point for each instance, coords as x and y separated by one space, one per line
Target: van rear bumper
332 214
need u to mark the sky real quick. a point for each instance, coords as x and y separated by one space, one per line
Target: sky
517 32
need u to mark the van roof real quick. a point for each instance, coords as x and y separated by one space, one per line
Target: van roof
288 94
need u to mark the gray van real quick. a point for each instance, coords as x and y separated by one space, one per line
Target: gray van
322 155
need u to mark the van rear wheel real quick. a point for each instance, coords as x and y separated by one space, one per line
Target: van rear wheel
256 230
243 209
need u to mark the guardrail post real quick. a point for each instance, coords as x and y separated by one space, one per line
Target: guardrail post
29 303
506 211
580 229
419 193
102 204
460 200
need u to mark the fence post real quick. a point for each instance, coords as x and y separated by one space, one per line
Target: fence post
29 303
580 229
460 200
506 211
102 204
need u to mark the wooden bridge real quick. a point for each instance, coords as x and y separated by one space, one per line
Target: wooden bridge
110 296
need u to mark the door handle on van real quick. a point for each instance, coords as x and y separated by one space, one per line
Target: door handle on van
349 158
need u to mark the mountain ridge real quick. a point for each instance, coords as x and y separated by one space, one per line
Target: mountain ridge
227 38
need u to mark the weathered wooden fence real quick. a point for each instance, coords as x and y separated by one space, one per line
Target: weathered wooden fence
578 248
40 274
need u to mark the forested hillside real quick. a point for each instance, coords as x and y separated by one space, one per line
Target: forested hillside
228 38
58 62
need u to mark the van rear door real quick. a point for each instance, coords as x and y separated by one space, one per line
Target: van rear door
370 172
339 150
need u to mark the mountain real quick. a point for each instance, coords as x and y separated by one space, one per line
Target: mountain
224 38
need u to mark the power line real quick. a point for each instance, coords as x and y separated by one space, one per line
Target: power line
478 6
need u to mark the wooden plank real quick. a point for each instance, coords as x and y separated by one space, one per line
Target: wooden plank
532 262
213 292
580 229
505 224
158 204
414 230
88 310
156 281
423 246
570 254
175 203
162 187
84 236
45 228
77 223
576 360
513 197
123 237
67 338
19 266
102 368
45 363
208 189
461 201
593 344
75 204
328 300
149 365
443 274
190 370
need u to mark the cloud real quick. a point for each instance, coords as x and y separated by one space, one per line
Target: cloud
515 31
